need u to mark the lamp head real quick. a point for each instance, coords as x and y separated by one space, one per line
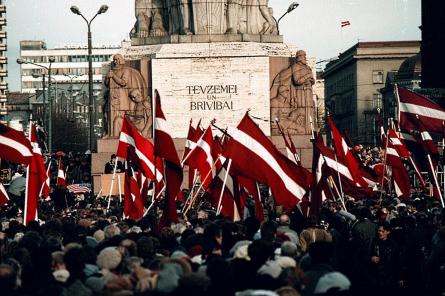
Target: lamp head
51 59
292 6
103 9
75 10
20 61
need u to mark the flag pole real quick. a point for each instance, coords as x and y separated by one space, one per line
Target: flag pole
200 187
112 183
218 209
384 166
25 210
153 103
195 180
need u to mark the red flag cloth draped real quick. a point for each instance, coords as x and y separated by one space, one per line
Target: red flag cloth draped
133 203
382 129
345 155
35 179
202 158
46 184
250 187
255 157
412 104
318 182
338 169
193 136
4 198
230 204
61 181
165 148
14 146
133 146
399 173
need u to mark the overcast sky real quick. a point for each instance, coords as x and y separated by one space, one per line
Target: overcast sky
313 26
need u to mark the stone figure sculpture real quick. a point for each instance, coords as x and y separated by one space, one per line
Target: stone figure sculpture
236 20
179 17
122 80
141 117
149 19
259 18
293 102
207 17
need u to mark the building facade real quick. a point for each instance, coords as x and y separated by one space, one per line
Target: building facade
70 65
3 60
353 83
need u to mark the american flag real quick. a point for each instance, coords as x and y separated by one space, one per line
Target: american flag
79 188
345 23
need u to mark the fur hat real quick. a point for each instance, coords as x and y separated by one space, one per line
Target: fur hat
332 280
109 258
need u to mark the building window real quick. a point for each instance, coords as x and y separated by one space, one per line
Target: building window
377 76
377 101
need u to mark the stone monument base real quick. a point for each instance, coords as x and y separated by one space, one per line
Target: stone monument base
204 38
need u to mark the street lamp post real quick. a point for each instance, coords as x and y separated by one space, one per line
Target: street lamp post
71 77
291 7
51 59
75 10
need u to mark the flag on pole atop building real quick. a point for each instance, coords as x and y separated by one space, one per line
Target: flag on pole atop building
345 23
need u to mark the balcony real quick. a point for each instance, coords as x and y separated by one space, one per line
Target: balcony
3 34
2 8
2 21
3 60
2 46
3 85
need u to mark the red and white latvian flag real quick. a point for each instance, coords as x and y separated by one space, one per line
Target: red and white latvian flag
35 179
132 145
193 136
165 149
202 158
345 23
412 104
61 180
4 198
14 146
46 185
400 175
254 156
133 202
345 155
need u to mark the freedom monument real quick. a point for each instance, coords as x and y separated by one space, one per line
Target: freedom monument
209 59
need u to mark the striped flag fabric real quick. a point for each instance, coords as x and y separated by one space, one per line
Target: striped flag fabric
254 156
81 188
36 177
61 180
345 23
165 149
411 105
14 146
346 156
133 202
132 145
201 157
4 198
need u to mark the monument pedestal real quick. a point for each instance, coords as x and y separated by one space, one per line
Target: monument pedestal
105 148
219 80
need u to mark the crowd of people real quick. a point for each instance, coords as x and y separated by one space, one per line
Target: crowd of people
376 247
